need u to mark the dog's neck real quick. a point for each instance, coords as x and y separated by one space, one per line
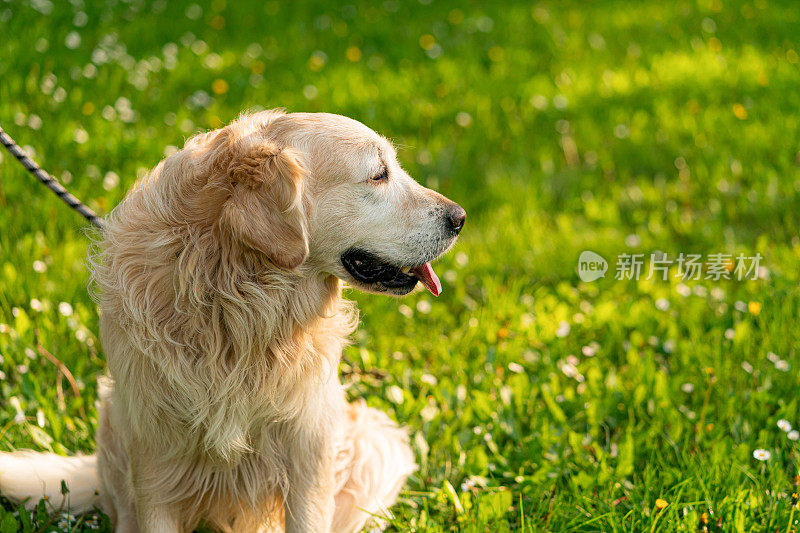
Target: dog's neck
265 314
308 305
216 306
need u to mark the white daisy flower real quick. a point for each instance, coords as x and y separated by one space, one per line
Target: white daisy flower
429 379
563 329
784 425
590 349
762 454
66 521
395 394
569 370
793 434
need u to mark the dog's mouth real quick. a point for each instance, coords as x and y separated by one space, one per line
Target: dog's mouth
367 268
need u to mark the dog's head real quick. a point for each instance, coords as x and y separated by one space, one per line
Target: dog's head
323 193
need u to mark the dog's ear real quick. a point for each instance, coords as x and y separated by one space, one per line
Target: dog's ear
265 211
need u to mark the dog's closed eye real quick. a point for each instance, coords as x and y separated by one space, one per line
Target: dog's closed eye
382 175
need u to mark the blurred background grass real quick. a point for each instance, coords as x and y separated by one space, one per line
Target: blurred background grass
535 401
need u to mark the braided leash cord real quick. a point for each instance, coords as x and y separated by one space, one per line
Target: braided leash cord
49 181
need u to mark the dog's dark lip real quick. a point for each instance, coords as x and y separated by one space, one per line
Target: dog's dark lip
366 267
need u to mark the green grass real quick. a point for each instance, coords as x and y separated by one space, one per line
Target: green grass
561 127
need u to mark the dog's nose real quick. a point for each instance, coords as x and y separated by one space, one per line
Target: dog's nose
455 218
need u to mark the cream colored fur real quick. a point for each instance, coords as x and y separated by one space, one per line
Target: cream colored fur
223 324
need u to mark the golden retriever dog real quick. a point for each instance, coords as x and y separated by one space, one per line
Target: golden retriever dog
222 320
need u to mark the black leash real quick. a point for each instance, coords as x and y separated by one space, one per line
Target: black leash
49 180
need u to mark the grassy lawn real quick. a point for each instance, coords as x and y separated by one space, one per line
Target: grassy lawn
535 401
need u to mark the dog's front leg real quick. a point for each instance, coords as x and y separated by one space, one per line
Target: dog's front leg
309 497
157 518
152 515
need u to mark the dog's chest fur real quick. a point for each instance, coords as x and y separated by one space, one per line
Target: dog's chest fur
228 435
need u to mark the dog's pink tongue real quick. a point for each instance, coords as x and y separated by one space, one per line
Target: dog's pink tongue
429 278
